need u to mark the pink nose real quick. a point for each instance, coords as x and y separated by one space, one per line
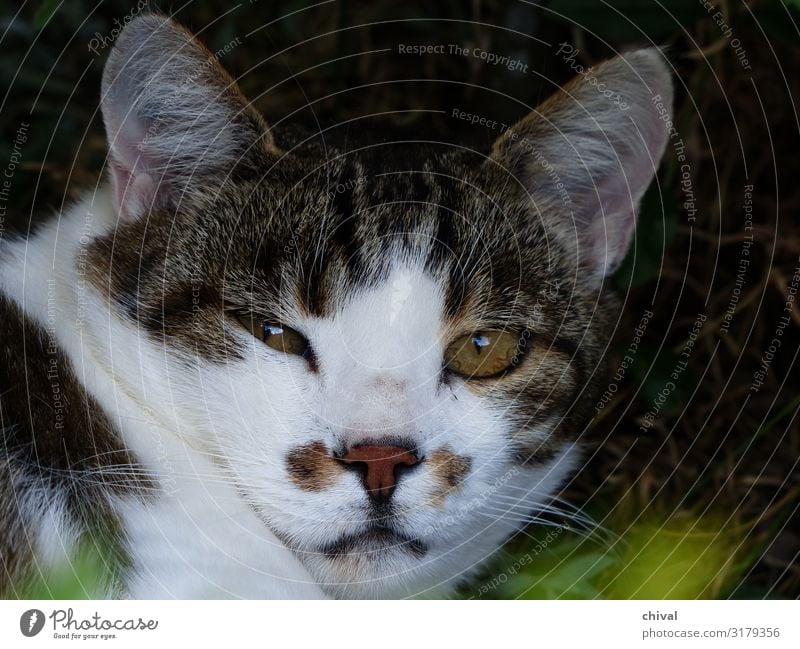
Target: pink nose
379 467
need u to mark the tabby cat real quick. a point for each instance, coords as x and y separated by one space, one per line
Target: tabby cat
276 365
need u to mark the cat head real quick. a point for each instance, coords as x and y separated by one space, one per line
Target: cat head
389 347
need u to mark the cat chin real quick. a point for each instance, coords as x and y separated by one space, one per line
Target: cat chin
391 574
385 567
397 574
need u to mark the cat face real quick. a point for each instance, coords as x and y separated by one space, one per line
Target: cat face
389 348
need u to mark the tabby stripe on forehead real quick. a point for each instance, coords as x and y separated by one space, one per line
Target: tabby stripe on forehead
342 196
443 248
316 297
444 240
419 191
345 236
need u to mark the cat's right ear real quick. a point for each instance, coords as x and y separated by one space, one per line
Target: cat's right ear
173 117
586 155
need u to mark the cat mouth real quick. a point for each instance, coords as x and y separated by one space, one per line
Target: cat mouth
373 541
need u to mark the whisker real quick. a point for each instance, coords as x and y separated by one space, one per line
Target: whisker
590 533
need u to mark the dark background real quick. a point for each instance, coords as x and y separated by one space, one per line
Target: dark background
706 498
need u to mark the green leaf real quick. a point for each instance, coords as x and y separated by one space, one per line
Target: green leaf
575 577
683 559
89 574
676 556
568 567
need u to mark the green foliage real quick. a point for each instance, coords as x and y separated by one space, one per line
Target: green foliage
653 559
90 574
684 560
571 572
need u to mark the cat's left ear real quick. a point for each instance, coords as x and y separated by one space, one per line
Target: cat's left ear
175 119
586 155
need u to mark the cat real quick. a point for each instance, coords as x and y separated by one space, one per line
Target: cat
271 365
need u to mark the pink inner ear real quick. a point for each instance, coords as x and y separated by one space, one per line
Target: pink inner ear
135 190
134 194
610 229
120 179
607 240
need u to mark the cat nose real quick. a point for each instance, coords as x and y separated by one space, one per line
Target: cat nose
379 467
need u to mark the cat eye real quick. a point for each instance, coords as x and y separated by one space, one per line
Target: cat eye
276 335
485 354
